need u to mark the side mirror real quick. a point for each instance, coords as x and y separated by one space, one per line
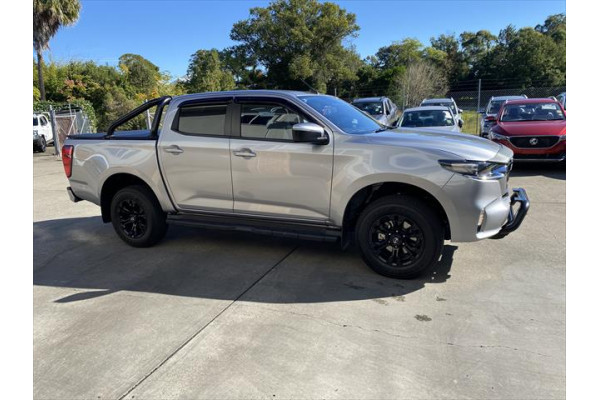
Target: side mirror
460 123
460 111
308 132
491 118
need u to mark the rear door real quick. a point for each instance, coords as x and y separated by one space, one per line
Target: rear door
273 175
194 155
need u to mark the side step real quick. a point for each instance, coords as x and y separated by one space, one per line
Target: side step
294 230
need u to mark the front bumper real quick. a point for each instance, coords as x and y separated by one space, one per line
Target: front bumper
555 153
515 219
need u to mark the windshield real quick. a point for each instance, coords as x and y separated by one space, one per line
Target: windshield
416 119
532 112
443 104
35 121
343 115
494 106
372 107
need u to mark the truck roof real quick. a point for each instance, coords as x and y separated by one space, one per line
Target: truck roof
288 93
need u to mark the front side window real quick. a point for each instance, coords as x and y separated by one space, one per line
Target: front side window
342 114
532 112
426 118
371 107
268 121
202 119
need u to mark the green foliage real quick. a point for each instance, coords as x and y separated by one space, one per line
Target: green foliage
205 73
48 17
298 41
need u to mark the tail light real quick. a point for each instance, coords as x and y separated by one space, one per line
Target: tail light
67 159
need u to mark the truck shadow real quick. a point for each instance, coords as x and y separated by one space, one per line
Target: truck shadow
85 255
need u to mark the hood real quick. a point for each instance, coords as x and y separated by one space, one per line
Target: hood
459 145
529 128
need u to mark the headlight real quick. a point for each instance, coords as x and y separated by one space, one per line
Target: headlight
497 136
35 133
562 138
476 169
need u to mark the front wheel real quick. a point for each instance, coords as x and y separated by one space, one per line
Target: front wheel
137 216
399 236
42 145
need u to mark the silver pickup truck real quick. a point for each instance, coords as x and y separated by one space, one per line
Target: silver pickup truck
299 165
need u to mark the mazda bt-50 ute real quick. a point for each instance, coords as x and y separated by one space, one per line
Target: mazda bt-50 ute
299 165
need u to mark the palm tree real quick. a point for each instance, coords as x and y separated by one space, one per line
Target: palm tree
48 17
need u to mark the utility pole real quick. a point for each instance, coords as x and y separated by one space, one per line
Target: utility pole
54 132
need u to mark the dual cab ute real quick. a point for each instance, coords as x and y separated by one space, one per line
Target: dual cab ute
298 165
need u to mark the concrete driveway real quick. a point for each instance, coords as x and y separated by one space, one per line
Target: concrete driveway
221 315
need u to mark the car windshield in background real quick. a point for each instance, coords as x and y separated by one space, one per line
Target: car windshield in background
373 108
449 105
424 118
495 106
532 112
342 114
35 121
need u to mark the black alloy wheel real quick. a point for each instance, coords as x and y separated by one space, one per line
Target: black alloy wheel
396 240
132 218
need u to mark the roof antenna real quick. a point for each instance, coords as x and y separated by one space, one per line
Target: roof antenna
311 88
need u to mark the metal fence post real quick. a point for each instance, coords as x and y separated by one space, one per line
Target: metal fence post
54 132
478 107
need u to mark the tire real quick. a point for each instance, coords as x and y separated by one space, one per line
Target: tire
137 216
399 236
42 146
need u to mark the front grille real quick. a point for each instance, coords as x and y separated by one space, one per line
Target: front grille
534 142
540 157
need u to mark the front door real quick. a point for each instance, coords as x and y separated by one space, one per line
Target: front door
194 156
273 175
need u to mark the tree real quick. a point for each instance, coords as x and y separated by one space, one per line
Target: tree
475 47
455 66
399 53
298 41
422 80
205 73
48 17
140 75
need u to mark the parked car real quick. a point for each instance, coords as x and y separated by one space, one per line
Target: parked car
264 161
447 102
534 129
562 99
488 118
380 108
439 117
42 132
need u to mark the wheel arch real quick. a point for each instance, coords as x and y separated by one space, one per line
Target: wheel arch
369 193
112 185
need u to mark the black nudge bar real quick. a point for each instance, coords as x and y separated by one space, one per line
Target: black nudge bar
514 220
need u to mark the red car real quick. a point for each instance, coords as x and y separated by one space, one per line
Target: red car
534 129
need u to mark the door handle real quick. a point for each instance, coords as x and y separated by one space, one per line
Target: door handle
174 149
245 152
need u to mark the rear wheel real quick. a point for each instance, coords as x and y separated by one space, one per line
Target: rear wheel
137 216
399 236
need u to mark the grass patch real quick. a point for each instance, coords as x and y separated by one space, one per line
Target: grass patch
470 122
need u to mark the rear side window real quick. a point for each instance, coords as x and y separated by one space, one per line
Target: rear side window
203 119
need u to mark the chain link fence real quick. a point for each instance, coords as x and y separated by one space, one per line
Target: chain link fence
469 99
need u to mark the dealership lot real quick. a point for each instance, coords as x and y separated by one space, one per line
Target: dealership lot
208 314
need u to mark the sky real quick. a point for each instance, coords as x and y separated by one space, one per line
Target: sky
167 32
